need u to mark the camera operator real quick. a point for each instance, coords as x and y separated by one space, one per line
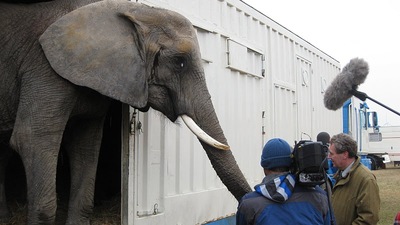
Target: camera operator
278 199
355 196
324 138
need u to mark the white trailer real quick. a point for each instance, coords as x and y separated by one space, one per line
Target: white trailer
390 143
265 82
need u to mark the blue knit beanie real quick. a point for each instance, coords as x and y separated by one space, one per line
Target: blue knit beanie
276 153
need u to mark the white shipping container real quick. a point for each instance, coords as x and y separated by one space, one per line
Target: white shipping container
265 82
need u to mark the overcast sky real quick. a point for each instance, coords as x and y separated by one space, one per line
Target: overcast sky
345 29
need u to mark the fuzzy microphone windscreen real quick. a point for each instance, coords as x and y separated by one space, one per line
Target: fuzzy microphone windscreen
352 75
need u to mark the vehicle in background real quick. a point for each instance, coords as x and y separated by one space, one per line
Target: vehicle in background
379 144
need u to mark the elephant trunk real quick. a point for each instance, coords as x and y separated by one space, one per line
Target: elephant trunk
222 161
228 171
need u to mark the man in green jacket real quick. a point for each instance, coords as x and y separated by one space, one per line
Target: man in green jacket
355 196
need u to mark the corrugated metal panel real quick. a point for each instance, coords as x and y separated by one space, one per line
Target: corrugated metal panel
173 180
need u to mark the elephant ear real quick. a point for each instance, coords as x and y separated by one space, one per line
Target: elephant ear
96 47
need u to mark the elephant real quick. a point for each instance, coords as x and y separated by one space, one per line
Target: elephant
63 62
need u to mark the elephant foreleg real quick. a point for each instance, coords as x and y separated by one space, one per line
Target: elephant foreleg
42 115
83 146
41 184
39 157
39 154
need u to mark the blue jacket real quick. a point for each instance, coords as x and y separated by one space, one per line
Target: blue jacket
277 200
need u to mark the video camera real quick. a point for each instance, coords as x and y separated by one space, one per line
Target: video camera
309 162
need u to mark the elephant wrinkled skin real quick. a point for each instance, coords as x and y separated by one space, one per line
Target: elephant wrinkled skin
60 73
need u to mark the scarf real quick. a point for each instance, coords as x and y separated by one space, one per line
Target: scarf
277 187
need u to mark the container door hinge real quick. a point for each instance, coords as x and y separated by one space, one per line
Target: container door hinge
135 126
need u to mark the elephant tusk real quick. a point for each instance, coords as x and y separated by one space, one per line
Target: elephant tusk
202 135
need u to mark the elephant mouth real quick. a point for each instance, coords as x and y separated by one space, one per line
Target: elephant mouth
201 134
144 109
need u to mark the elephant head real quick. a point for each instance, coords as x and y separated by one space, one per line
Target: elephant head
144 57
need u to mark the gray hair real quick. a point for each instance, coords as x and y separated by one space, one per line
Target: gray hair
345 143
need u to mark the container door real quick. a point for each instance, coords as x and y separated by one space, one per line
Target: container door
304 99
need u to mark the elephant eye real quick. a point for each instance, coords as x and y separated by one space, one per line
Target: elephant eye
180 63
